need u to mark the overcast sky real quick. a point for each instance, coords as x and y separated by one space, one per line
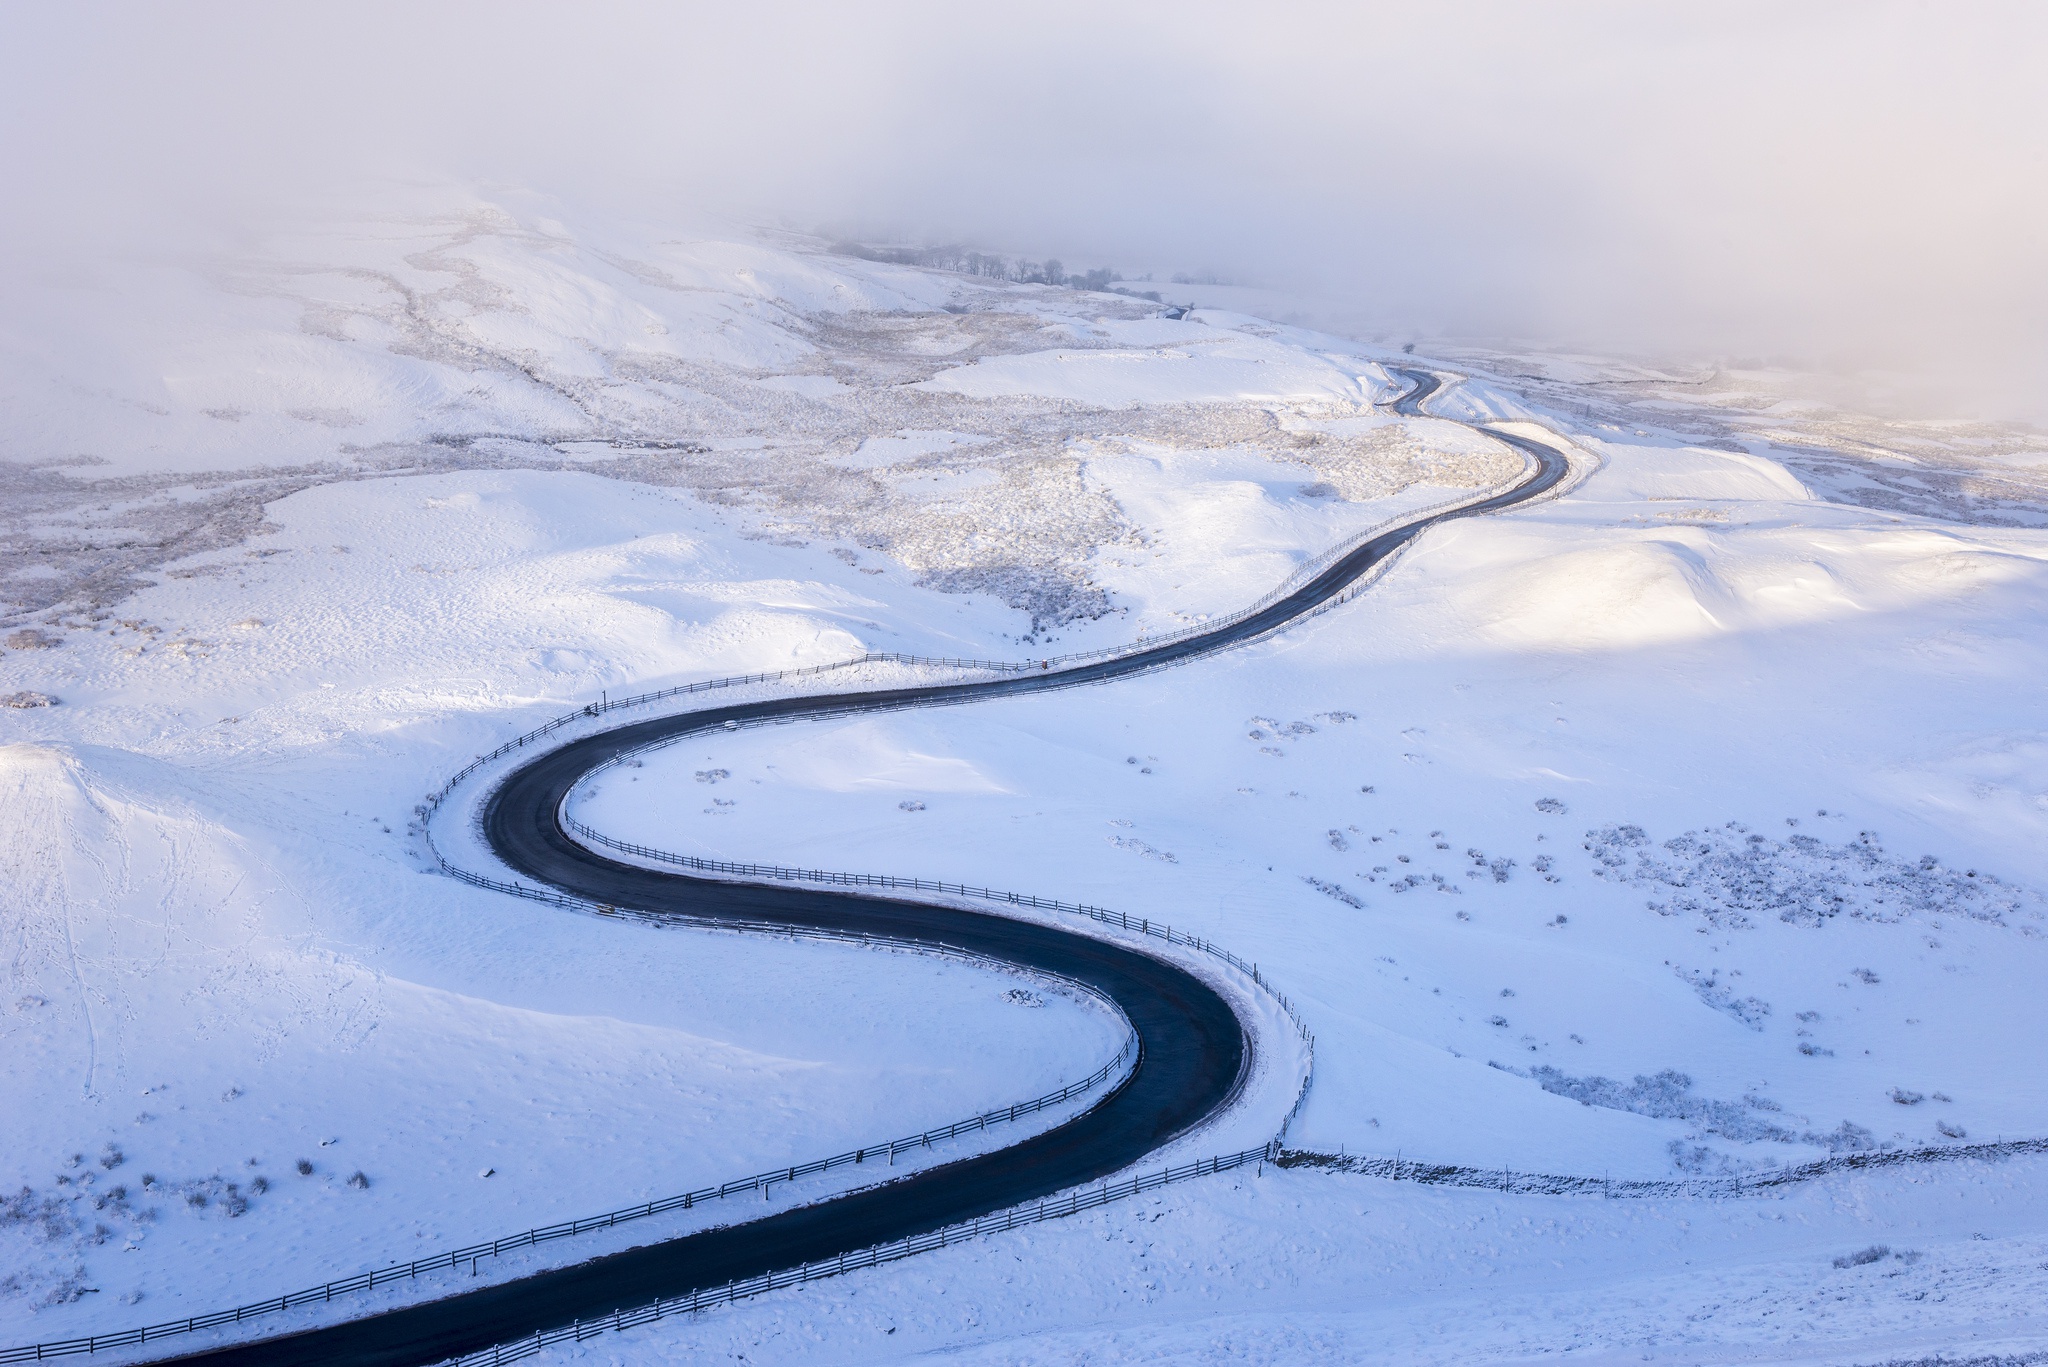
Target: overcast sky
1843 185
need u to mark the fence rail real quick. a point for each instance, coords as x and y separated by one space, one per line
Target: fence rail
1086 1198
1299 578
1124 1063
1102 915
1398 1169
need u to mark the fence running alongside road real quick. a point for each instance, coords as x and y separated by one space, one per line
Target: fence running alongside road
1085 1198
1102 915
1300 576
885 1153
1399 1169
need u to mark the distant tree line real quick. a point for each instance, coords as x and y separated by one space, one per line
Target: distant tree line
1050 271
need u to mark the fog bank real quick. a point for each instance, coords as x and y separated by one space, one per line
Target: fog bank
1842 186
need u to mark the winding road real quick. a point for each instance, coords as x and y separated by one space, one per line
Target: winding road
1194 1051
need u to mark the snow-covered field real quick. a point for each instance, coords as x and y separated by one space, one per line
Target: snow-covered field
1687 825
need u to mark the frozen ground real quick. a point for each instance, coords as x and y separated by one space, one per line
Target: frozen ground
1284 1269
1689 824
1363 800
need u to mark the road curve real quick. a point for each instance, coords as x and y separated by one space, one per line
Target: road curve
1194 1052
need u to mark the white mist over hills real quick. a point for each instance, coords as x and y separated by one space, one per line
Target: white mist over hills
1855 188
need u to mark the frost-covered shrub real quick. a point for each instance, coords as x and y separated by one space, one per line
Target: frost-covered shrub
27 698
359 1180
1701 1161
1124 842
1334 890
1051 597
1663 1096
1864 1257
81 1214
1730 875
1751 1011
50 1217
1668 1096
1848 1137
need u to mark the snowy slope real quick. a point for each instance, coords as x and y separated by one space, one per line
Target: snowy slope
1626 795
224 949
1443 921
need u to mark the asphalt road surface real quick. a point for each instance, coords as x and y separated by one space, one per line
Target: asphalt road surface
1194 1051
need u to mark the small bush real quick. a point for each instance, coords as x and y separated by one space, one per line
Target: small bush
304 1166
27 699
359 1181
1864 1257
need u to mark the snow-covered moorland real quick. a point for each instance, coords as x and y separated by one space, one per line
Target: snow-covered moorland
1686 826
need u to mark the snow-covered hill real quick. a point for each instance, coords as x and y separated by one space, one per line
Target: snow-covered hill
1689 824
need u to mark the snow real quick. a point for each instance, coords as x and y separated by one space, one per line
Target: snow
1690 823
1198 359
1300 1267
212 890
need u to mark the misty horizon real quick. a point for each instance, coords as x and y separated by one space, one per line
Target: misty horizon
1840 188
